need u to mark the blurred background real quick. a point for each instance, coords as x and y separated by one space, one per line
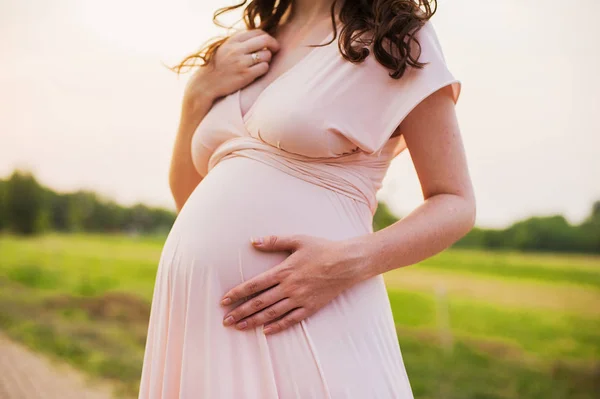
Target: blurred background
88 114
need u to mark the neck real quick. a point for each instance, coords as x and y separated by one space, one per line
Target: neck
311 11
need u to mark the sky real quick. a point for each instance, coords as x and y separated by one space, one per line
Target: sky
87 102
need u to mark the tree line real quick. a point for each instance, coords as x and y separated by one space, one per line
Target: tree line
27 208
541 234
535 234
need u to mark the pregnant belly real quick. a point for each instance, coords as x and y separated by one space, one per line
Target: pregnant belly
242 198
208 252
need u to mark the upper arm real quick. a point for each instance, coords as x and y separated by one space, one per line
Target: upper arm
433 138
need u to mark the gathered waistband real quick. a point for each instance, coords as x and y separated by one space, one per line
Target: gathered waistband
339 174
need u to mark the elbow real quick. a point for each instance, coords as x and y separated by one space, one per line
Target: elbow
472 217
182 187
178 203
175 190
470 212
178 206
463 213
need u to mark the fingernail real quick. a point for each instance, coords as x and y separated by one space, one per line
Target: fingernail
267 330
257 241
226 301
242 325
228 321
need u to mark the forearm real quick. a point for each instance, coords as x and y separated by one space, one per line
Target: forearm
434 226
183 177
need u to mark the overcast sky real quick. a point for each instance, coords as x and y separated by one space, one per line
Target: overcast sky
85 101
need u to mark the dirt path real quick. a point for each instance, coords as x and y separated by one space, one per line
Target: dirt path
27 375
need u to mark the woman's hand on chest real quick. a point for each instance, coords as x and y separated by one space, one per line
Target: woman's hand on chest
241 59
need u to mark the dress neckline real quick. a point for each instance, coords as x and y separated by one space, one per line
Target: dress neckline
285 73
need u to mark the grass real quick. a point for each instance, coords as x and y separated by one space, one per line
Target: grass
564 297
471 324
548 336
577 269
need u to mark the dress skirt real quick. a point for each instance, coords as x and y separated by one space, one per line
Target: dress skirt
348 349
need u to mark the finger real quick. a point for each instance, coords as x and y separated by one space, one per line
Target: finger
257 70
268 314
276 243
258 43
253 305
259 283
246 34
293 317
263 56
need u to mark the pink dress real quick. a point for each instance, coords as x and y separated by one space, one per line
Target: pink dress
307 158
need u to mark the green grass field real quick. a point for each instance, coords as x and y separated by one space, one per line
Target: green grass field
471 324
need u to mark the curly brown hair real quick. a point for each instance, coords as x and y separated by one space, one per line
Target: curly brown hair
393 24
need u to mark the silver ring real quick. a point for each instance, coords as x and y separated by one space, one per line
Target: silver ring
255 57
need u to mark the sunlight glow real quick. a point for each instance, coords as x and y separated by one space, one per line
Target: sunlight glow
168 30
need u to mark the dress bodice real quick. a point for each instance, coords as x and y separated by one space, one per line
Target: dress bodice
326 110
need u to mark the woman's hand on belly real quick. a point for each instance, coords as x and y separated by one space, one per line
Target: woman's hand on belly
316 271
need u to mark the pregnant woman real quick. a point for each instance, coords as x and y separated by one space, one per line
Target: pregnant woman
270 282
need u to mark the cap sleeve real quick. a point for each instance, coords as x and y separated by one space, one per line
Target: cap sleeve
384 102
